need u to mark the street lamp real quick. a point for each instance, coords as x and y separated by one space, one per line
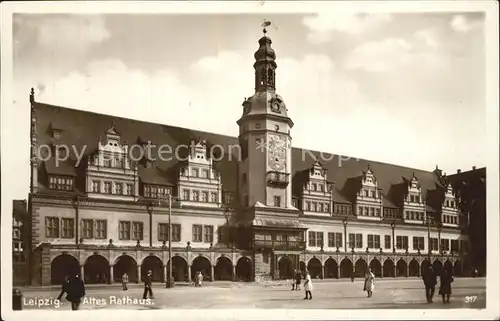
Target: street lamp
345 233
170 282
393 226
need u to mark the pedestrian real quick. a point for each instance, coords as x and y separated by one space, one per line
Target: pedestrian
445 285
147 286
293 279
298 278
429 278
75 290
199 279
124 281
64 287
369 282
308 286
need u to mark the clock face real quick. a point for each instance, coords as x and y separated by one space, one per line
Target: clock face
277 153
275 106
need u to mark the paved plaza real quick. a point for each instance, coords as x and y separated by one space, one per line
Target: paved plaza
327 294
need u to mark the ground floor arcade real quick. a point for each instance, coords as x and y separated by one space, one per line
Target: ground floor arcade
107 265
340 265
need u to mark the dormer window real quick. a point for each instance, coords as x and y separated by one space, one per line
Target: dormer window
62 183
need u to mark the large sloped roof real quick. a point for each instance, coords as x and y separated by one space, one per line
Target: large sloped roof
81 128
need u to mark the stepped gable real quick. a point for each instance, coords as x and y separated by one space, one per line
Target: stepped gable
83 129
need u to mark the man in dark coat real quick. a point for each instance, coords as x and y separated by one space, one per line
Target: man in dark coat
147 286
64 287
429 278
75 290
445 285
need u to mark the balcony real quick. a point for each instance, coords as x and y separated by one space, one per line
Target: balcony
280 245
278 179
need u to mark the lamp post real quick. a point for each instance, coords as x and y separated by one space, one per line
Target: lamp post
393 226
170 282
428 221
345 233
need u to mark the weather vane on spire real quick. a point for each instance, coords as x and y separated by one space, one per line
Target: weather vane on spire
264 25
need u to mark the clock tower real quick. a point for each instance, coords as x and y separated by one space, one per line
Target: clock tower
264 137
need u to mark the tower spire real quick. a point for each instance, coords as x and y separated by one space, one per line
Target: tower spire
265 65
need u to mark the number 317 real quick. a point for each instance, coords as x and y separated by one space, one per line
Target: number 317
470 299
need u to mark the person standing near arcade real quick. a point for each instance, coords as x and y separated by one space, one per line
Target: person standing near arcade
148 286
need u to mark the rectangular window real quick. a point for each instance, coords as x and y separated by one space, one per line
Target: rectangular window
455 246
101 229
87 229
185 194
221 234
320 207
331 239
68 228
129 189
176 232
366 192
352 240
204 196
327 208
196 196
418 243
434 244
61 183
312 238
228 198
124 230
107 187
213 197
308 206
205 173
321 188
338 240
96 186
387 242
401 242
378 212
372 211
370 241
277 201
138 231
319 239
376 241
119 188
366 211
445 244
197 233
194 172
208 234
162 232
373 241
294 202
359 241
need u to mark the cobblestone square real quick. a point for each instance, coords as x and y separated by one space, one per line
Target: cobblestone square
327 294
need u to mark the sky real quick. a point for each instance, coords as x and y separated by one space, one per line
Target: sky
401 88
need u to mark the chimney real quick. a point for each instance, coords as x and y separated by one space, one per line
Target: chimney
473 168
459 171
438 172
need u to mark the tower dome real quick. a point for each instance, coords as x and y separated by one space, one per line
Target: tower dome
265 52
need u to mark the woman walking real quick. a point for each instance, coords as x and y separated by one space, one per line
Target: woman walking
445 286
308 286
369 282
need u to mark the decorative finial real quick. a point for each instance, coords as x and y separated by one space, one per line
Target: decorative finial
264 25
32 95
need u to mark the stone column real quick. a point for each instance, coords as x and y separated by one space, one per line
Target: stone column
407 270
111 276
138 274
189 274
338 271
165 273
212 270
395 270
82 274
322 272
234 273
418 271
381 270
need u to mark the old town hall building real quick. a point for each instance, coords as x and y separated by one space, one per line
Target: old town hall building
245 208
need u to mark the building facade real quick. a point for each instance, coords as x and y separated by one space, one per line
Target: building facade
244 208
